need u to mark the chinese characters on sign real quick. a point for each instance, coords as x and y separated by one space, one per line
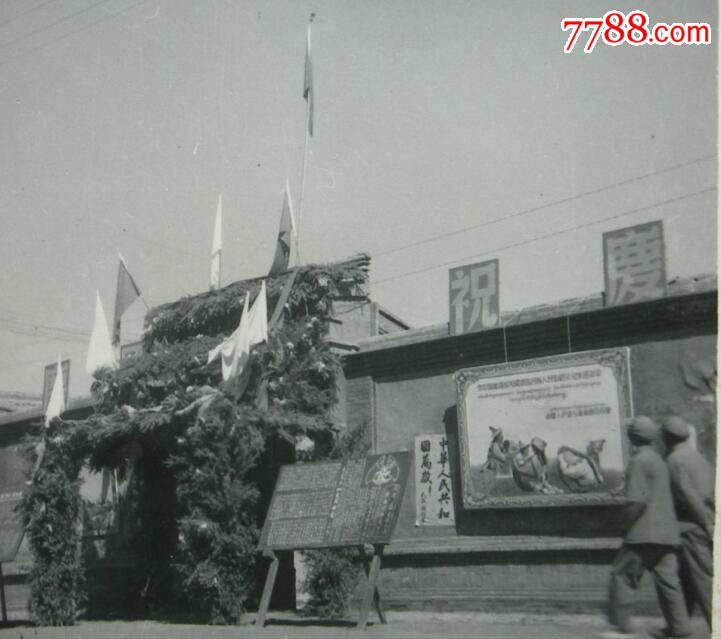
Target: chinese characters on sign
473 297
634 264
51 371
434 488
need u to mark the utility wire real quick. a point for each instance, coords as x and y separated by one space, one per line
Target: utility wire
548 235
24 13
90 25
542 207
44 327
70 16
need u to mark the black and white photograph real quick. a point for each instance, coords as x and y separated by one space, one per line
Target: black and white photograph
324 317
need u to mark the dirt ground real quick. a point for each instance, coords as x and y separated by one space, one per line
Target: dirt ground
401 625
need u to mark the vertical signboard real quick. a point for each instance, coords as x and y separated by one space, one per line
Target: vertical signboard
634 264
434 487
13 475
51 370
473 297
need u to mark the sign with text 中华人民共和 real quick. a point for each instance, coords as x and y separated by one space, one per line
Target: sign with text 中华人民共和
434 484
634 264
339 503
545 431
473 297
13 475
51 371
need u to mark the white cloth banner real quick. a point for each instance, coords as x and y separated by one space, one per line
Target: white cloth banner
253 329
100 350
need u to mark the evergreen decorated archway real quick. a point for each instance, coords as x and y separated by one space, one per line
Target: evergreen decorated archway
194 451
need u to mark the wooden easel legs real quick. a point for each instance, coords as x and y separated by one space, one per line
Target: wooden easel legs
267 590
371 594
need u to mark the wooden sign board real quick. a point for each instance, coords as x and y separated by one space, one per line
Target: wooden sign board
51 371
473 297
13 475
340 503
634 263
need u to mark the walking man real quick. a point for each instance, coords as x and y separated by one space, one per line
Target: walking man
692 486
652 536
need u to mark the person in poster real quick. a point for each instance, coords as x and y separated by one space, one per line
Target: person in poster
496 457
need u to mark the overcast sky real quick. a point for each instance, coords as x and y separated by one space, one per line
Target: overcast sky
121 121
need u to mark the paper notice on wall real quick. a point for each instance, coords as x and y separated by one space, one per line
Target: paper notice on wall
434 487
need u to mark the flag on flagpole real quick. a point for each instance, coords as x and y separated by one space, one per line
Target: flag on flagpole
100 350
126 293
253 329
285 232
308 92
56 404
217 246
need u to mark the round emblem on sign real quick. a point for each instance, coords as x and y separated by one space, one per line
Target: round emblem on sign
384 471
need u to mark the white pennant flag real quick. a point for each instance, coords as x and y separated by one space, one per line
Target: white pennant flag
217 246
100 350
253 329
56 405
258 318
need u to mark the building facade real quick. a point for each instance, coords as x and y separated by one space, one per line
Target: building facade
401 386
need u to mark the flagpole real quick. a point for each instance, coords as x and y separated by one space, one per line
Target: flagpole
305 159
302 184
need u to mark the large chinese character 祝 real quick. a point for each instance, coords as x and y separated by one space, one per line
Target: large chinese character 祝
634 260
473 296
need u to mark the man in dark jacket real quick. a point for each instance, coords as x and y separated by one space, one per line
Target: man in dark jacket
692 486
652 535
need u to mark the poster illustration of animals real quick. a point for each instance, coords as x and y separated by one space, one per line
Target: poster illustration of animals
547 431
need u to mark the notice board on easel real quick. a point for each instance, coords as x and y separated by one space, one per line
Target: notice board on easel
339 503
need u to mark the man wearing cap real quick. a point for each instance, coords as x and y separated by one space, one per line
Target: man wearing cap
692 486
652 535
495 457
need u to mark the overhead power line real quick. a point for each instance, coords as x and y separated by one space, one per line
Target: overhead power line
548 235
90 25
70 16
542 207
17 325
30 10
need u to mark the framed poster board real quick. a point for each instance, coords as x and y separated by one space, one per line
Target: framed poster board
339 503
546 431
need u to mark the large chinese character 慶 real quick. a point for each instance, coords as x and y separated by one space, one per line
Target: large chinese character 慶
635 266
